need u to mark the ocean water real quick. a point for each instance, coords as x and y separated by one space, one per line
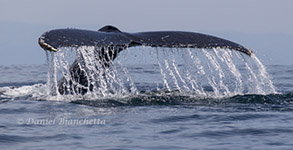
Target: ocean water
214 101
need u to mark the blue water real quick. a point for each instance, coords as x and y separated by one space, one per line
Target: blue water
146 121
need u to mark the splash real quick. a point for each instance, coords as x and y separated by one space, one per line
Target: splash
199 73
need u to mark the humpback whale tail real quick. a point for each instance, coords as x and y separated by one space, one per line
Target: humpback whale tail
110 41
112 36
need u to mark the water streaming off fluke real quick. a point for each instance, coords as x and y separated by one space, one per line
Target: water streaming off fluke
194 72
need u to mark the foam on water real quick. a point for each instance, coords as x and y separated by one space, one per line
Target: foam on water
202 73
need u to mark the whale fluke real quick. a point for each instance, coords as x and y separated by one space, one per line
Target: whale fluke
112 36
110 41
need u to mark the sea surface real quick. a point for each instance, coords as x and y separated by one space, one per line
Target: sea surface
150 120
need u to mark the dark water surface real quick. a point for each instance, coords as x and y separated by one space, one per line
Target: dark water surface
146 121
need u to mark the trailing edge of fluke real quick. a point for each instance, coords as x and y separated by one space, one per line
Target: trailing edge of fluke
112 36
